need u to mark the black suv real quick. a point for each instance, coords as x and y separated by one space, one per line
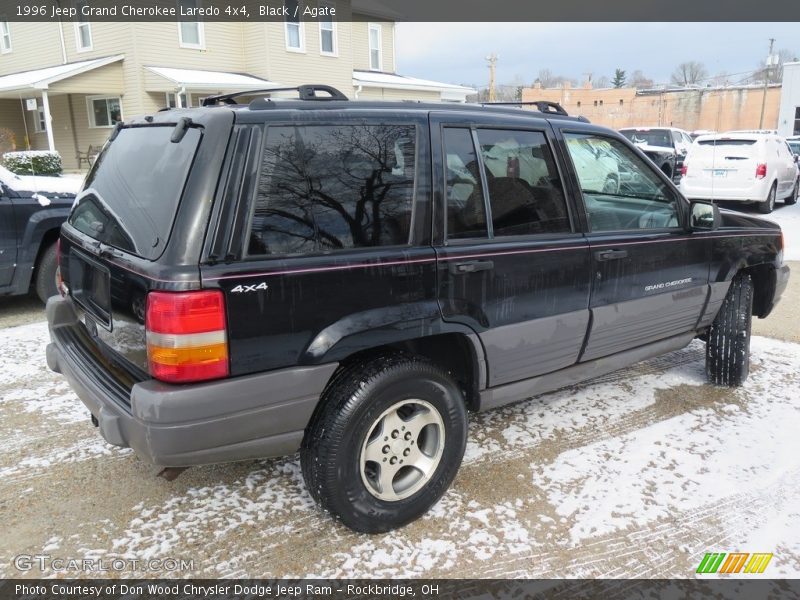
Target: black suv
665 146
350 279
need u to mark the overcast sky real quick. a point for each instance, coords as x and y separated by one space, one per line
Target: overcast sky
454 52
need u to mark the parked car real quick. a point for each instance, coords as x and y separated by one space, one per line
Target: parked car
350 279
741 167
794 144
32 210
698 132
665 146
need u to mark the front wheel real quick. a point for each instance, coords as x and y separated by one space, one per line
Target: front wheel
768 205
385 443
728 346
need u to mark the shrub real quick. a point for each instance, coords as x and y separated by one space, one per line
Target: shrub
8 141
33 162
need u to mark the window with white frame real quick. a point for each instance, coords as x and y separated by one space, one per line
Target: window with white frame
327 30
104 111
375 50
39 123
172 103
83 30
5 37
191 34
295 41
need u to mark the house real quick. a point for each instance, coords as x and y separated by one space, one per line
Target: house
63 85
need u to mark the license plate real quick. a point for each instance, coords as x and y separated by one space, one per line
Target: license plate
719 173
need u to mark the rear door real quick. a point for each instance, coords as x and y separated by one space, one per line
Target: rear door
650 277
511 262
114 246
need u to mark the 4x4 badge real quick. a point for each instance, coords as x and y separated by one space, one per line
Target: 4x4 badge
250 288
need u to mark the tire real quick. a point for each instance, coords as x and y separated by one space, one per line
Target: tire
792 198
358 407
45 283
767 205
728 346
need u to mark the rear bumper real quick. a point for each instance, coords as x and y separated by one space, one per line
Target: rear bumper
246 417
698 189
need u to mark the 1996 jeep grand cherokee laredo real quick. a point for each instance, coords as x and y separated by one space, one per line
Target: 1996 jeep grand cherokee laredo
350 279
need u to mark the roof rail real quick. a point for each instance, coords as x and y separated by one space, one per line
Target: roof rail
543 106
305 92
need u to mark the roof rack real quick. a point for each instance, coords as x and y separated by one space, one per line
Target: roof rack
305 92
543 106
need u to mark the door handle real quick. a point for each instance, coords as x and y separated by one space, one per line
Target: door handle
602 255
471 266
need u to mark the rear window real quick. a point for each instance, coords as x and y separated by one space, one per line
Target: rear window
651 137
324 188
132 192
730 142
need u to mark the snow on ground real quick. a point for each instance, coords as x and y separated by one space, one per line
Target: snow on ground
788 217
635 474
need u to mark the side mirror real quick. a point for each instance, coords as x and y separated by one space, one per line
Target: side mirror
704 216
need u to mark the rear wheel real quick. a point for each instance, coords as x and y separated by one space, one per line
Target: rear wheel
792 198
45 283
386 442
728 346
768 205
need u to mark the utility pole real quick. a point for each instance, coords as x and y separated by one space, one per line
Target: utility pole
492 60
767 73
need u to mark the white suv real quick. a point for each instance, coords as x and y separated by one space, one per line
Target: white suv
741 167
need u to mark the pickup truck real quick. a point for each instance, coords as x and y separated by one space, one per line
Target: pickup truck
32 210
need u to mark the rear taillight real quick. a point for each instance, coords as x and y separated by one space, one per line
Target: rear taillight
761 171
684 169
186 338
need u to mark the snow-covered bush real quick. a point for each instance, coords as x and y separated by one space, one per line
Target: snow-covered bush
33 162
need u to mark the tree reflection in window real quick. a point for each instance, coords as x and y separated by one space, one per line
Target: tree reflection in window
324 188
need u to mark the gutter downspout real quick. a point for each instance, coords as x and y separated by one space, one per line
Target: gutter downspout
61 35
358 91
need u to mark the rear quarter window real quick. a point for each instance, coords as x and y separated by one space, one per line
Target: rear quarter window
325 188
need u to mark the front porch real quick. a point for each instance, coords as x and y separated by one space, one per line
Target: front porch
66 108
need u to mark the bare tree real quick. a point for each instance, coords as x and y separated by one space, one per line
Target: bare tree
689 73
546 78
602 82
773 73
639 80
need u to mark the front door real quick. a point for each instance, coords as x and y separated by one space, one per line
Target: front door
8 239
510 263
650 275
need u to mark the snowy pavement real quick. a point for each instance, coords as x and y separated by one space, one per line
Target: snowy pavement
636 474
788 217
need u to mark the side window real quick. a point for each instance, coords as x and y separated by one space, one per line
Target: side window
620 191
325 188
525 193
466 213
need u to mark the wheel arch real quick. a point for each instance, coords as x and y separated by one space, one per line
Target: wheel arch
458 351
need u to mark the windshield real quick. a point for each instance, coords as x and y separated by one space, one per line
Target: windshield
132 193
651 137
